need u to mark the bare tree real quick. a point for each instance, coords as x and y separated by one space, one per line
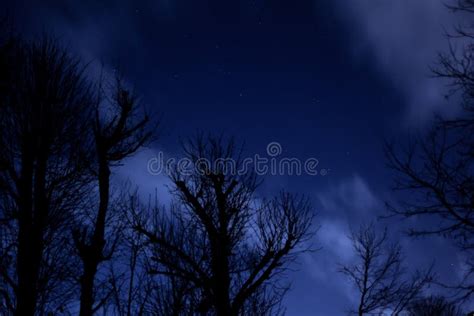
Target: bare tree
45 103
437 169
378 274
227 248
60 138
132 286
434 306
119 131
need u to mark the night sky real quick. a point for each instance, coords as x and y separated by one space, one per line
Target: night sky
330 79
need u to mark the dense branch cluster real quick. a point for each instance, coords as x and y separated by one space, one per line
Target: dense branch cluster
227 246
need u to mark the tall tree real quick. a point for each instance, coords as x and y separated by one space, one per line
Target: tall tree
119 131
224 245
45 103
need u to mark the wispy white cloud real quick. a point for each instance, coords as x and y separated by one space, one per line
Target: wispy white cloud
342 206
403 37
334 237
351 195
336 249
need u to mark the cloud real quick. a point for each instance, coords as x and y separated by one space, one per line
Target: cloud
350 196
135 171
323 266
334 236
403 37
342 207
336 248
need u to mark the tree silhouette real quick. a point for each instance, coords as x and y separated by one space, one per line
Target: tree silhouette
117 136
42 113
60 138
437 169
133 290
225 247
378 274
434 306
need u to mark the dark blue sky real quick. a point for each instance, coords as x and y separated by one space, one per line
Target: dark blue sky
325 79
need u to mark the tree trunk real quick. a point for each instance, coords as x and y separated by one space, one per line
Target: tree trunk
26 295
93 253
220 265
87 288
33 210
